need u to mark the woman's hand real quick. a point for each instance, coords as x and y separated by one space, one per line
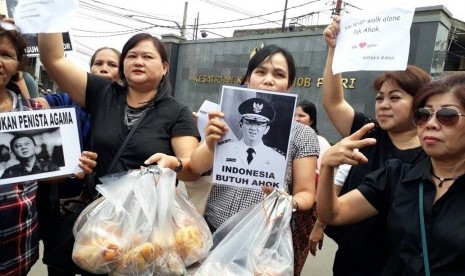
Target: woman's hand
331 31
316 237
162 160
215 130
346 151
87 162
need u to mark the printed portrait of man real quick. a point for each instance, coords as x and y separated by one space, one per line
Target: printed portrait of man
257 116
24 148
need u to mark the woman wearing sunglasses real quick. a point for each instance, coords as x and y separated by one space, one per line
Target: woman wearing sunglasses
362 247
422 204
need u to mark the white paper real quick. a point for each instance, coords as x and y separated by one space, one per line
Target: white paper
202 116
202 120
374 40
45 16
268 165
56 139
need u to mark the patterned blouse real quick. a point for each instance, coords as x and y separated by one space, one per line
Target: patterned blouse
225 201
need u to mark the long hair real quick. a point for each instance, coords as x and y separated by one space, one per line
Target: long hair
266 52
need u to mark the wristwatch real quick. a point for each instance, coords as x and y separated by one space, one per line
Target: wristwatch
178 167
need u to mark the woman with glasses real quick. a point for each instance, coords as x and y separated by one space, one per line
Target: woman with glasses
422 204
362 247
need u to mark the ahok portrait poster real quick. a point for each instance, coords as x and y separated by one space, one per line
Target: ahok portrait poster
38 144
261 122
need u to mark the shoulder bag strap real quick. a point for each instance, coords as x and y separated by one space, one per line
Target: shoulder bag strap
424 244
128 137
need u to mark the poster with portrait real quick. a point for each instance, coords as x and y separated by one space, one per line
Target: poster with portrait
261 121
38 144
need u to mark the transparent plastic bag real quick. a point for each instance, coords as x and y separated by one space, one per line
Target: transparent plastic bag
140 226
255 241
192 235
181 236
112 233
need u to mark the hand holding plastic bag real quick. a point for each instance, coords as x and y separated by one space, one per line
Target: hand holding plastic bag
113 232
255 241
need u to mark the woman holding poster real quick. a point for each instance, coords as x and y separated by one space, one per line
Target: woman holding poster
363 247
271 68
19 237
163 130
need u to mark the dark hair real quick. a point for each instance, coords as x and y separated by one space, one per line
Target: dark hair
410 80
18 136
92 59
19 44
4 153
266 52
309 108
453 83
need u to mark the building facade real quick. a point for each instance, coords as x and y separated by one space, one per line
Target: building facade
199 68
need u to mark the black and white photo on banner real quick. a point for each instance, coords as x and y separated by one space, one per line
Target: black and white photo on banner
254 153
38 144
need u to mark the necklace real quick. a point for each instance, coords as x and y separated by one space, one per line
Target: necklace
443 179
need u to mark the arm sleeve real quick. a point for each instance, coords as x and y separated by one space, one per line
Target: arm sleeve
58 99
96 90
306 142
185 124
378 187
341 174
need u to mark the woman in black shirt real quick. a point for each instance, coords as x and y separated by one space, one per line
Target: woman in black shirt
394 192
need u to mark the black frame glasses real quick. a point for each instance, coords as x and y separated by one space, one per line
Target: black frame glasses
445 116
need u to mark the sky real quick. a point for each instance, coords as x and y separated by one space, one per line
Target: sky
99 23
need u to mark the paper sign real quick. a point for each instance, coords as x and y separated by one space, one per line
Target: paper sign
45 16
262 122
375 40
202 116
202 120
38 144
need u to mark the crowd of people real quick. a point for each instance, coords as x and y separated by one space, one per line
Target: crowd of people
393 209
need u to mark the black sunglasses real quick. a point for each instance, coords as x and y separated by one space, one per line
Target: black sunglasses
445 116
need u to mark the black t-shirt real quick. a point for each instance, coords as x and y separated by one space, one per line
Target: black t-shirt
168 118
363 247
394 192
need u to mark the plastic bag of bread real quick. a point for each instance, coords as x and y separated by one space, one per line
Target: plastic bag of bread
115 236
192 236
255 241
167 260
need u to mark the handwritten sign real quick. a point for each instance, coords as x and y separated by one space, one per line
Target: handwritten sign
38 144
45 16
375 40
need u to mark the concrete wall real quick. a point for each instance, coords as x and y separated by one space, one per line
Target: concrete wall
199 68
